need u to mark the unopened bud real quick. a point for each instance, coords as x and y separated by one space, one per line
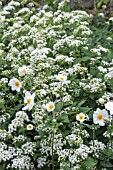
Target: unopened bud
54 120
24 91
101 101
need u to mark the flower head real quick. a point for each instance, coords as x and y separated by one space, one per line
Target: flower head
100 116
29 127
15 84
62 77
81 117
109 106
29 100
50 106
22 70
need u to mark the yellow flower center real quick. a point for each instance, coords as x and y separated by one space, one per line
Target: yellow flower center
81 117
30 127
28 100
99 116
61 78
51 107
17 84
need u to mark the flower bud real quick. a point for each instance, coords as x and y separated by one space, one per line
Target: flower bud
24 91
101 101
54 120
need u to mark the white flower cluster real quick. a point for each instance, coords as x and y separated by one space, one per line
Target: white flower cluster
58 144
95 85
21 162
5 153
107 134
74 139
41 162
19 138
99 50
96 147
75 155
3 134
18 121
28 148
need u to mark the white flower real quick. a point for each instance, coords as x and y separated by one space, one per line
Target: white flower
62 77
50 106
109 106
15 84
101 101
80 117
22 70
100 116
29 127
29 100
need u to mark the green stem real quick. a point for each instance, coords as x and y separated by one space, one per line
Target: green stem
53 151
35 3
81 129
52 145
110 138
93 135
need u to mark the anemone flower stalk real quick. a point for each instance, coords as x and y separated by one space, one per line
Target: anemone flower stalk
93 134
52 145
110 137
50 108
53 150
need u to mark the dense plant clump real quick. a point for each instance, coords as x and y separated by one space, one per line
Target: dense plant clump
56 88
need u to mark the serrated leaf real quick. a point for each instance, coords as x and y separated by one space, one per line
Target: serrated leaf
106 164
81 103
63 119
85 109
90 162
58 107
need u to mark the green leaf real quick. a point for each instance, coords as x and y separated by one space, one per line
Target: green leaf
85 109
90 162
108 152
81 103
85 58
63 118
106 164
58 107
99 3
66 132
46 168
2 167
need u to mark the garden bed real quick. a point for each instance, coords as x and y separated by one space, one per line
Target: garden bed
56 88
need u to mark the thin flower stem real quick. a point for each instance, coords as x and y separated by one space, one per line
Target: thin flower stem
93 135
53 143
53 150
81 130
110 138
